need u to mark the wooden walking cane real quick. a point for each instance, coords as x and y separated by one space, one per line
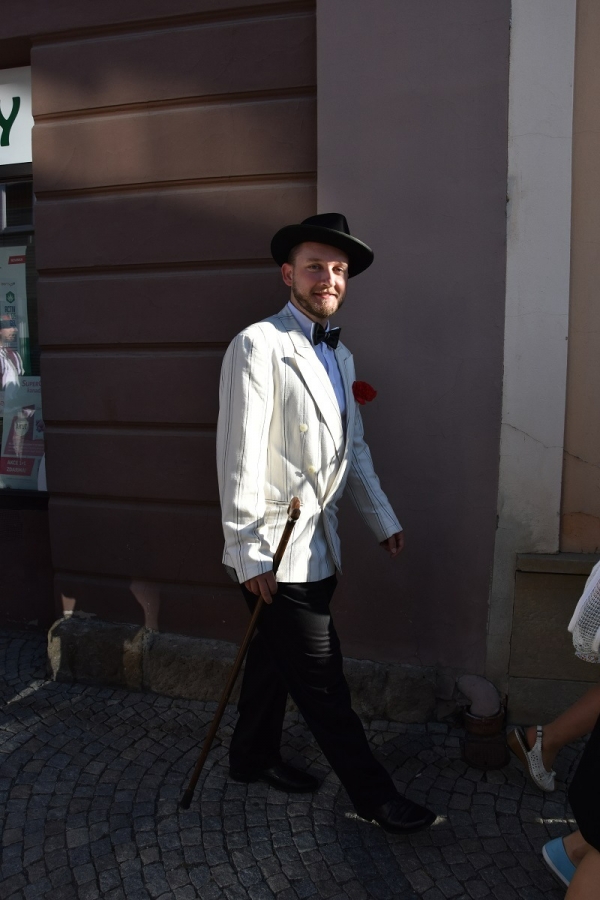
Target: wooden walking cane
293 516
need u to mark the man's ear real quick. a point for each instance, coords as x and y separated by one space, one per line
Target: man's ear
286 274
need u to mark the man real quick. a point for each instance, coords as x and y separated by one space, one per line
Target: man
11 364
289 426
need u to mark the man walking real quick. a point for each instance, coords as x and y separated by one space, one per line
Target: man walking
11 364
289 425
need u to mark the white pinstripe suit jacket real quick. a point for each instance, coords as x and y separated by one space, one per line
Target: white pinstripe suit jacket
280 435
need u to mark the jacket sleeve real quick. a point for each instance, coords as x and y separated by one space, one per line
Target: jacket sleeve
245 410
365 489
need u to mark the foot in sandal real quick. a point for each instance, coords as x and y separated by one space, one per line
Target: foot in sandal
532 758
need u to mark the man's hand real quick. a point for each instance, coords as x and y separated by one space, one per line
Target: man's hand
394 544
263 586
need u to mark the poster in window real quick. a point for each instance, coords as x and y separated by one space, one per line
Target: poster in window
14 325
22 435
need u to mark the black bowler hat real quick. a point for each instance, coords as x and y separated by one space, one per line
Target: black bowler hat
327 228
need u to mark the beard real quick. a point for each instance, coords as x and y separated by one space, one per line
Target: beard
315 307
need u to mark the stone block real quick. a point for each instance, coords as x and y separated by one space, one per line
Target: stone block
541 646
557 563
392 692
87 650
533 700
194 668
445 685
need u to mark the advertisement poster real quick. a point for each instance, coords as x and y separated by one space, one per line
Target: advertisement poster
16 121
14 326
22 435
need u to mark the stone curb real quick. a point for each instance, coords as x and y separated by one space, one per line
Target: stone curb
128 656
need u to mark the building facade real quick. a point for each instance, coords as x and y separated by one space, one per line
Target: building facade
171 140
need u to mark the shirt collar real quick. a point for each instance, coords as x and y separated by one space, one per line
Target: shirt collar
303 321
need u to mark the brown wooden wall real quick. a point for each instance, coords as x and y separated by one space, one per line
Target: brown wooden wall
166 153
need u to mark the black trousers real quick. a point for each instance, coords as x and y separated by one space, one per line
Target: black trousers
584 793
296 650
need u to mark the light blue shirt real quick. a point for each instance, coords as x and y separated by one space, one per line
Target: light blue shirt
326 357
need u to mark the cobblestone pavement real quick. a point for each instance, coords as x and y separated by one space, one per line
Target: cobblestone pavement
90 780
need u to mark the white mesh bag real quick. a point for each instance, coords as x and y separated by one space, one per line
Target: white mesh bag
585 624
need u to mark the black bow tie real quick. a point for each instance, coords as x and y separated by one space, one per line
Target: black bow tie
330 337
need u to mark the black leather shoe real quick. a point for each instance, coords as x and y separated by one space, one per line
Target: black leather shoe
280 776
400 816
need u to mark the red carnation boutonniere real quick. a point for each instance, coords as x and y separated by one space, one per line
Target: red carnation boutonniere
363 392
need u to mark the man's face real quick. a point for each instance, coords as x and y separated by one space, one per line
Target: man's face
318 277
7 334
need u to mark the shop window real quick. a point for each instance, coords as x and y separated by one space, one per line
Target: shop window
17 207
22 461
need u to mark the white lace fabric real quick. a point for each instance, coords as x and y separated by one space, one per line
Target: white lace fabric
585 624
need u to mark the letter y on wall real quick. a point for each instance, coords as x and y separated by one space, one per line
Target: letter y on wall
7 124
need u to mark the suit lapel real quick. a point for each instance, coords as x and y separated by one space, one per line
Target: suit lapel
316 380
344 361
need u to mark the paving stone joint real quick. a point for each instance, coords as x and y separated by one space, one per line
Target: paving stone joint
90 779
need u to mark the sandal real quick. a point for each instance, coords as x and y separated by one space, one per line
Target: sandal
532 759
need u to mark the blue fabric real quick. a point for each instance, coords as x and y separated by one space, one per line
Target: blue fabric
557 860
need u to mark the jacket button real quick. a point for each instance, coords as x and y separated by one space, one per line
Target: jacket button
303 428
312 470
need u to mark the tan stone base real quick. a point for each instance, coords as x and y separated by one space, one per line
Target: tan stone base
94 652
545 676
536 701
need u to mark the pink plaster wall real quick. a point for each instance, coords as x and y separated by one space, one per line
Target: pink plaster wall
412 147
580 514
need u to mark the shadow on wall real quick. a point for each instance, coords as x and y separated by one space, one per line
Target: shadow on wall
166 275
146 593
148 596
26 572
199 611
154 224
